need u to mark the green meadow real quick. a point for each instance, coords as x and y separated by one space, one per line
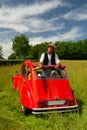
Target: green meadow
12 118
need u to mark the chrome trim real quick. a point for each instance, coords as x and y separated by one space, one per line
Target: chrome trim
51 110
55 108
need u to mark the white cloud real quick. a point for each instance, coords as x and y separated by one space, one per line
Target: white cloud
6 47
77 14
16 13
74 33
33 25
16 27
18 18
39 25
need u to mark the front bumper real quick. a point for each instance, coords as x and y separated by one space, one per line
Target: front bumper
53 109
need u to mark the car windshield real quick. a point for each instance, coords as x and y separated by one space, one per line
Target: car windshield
50 73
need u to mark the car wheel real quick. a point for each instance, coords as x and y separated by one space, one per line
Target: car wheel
24 110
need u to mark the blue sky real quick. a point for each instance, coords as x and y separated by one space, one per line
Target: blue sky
42 21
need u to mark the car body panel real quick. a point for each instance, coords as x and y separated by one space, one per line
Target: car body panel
51 89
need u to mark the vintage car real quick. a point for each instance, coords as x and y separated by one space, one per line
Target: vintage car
44 89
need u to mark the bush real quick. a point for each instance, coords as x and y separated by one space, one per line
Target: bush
10 62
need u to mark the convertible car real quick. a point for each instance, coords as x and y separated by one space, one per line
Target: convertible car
44 89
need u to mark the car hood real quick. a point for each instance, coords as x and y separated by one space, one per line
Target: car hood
53 89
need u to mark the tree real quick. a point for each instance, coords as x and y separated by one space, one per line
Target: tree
72 50
62 48
33 52
21 46
12 56
36 50
0 50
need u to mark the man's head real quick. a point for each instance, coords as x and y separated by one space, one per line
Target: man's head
50 48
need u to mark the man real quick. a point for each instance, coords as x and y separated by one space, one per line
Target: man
50 57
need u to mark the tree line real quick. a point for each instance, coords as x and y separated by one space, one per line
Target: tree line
66 50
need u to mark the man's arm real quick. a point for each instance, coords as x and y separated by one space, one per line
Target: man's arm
57 61
41 60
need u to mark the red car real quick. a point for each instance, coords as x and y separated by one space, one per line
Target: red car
44 89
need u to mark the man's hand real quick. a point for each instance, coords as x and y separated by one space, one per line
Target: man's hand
57 66
40 64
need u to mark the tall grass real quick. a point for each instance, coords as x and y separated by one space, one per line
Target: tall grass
11 117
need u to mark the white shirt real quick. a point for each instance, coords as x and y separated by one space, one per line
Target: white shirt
49 58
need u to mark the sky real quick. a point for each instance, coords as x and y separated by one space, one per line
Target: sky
42 21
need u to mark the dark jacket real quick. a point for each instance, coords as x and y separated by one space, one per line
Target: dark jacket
45 62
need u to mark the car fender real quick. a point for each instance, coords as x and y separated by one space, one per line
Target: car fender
15 81
26 96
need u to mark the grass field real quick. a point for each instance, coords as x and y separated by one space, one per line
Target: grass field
11 117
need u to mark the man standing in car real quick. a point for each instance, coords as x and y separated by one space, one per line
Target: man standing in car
50 57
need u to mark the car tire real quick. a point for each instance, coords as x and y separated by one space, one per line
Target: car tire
24 110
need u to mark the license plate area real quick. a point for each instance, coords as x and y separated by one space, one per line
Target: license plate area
53 103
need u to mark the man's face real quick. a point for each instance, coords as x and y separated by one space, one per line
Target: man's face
50 50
